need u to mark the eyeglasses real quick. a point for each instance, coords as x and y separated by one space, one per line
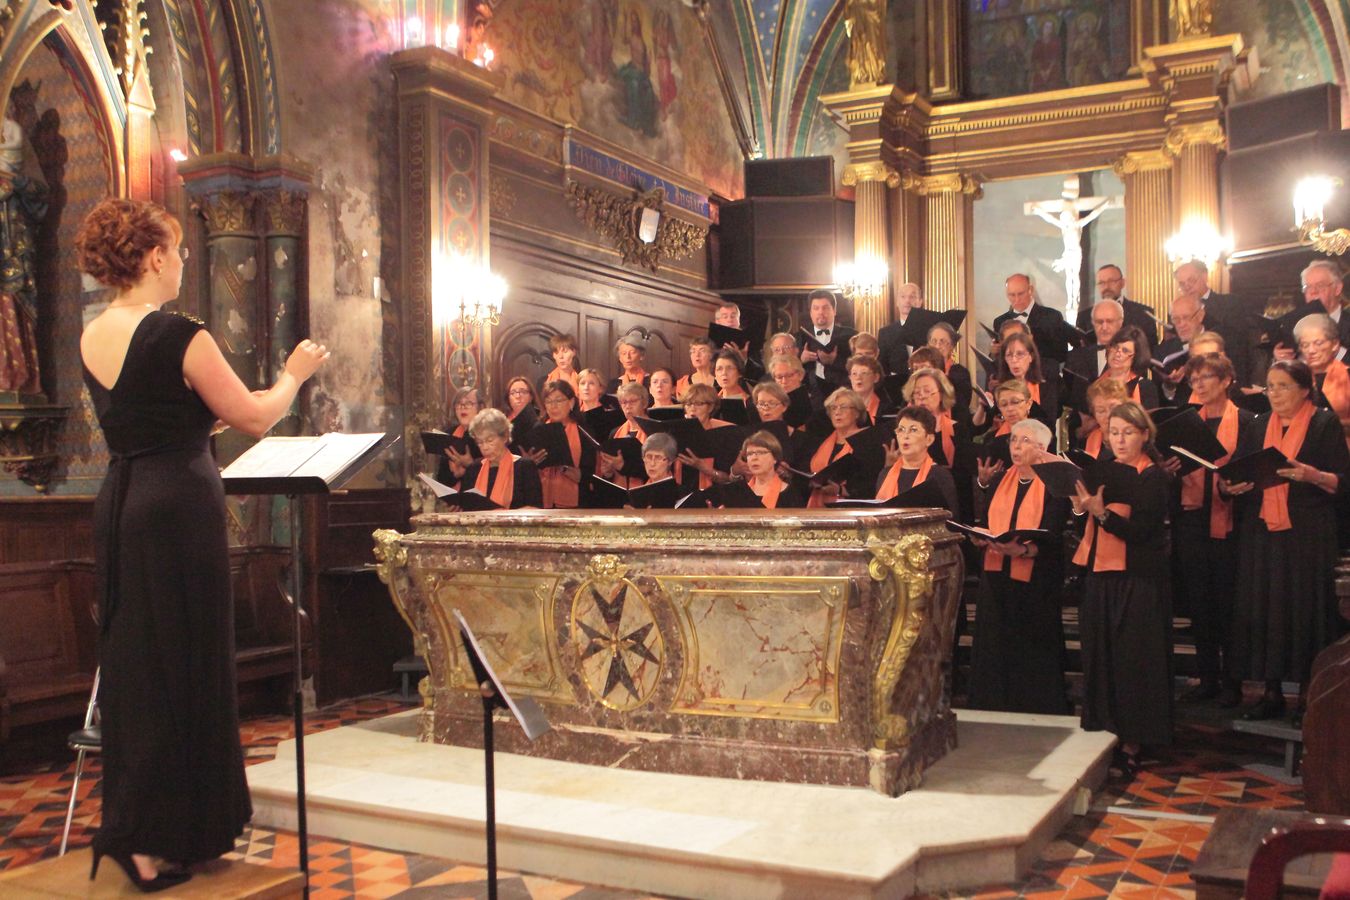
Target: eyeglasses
766 404
689 403
1121 350
1020 354
840 407
556 401
756 452
1013 403
1199 377
1317 288
1278 388
467 404
519 392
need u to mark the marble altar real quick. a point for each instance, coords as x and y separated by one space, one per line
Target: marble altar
809 646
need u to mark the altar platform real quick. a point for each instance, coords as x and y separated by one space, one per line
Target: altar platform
982 813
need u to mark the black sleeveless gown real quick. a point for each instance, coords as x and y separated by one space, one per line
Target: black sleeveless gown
173 769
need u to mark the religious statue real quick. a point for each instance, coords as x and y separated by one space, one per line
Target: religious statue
23 203
1191 18
1071 214
866 46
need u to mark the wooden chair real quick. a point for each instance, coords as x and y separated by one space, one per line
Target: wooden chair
1265 876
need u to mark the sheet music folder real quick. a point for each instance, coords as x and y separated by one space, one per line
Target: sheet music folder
526 711
303 465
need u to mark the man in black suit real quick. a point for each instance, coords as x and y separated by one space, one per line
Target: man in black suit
1225 315
1188 318
1053 335
826 367
1111 286
909 330
1088 361
1323 294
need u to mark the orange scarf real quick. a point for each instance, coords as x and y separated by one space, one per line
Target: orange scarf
587 407
1093 447
1336 388
1110 555
770 496
639 378
688 381
1000 520
1035 389
873 407
1275 500
823 456
891 486
505 485
1003 428
573 378
1193 485
459 431
561 492
947 432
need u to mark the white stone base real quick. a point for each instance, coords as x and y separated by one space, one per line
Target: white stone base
982 814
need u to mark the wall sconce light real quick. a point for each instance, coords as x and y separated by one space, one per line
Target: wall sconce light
1197 240
466 292
863 280
1311 196
177 155
414 33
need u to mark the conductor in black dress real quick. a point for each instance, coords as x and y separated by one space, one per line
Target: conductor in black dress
173 770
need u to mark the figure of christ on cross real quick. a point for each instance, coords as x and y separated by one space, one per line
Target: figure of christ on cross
1071 214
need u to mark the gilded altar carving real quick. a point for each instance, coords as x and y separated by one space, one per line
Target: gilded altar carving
226 212
1191 18
1142 161
391 562
618 219
905 565
615 637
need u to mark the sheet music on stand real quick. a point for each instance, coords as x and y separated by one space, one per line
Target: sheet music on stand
306 464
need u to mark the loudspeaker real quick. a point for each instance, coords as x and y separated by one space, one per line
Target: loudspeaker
1270 119
783 242
804 176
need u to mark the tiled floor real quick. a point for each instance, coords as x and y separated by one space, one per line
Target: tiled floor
1139 839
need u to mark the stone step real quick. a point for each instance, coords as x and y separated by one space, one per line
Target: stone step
68 876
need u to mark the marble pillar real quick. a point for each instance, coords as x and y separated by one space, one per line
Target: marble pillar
283 215
812 646
1148 223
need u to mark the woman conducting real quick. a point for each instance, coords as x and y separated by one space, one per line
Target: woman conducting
173 770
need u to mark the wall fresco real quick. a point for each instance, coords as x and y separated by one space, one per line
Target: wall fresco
1025 46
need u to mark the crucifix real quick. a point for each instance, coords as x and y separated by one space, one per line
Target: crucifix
1071 214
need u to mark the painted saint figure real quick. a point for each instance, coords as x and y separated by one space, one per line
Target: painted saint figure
23 203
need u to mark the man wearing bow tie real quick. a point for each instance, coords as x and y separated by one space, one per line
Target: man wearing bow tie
826 367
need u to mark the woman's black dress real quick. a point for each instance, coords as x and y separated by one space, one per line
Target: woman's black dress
1125 622
1017 652
1286 594
173 770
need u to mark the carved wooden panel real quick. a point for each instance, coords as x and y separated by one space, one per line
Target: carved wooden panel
46 529
552 293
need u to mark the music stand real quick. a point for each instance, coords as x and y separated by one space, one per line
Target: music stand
495 696
293 487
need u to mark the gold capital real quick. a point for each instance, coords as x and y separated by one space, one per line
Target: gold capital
1142 161
951 183
226 212
1182 136
876 170
284 212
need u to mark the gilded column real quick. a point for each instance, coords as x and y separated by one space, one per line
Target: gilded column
1148 223
1196 148
283 214
949 202
871 240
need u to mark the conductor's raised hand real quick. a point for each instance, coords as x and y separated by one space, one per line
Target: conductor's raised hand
306 359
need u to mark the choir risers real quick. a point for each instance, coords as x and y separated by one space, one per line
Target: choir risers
811 647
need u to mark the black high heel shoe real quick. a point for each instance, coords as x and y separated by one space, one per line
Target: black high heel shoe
161 882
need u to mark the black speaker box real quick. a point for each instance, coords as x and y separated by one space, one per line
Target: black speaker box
1270 119
804 176
783 242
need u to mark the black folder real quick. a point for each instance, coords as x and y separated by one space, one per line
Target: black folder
1187 431
605 494
437 442
924 495
1081 458
814 343
468 501
602 420
1060 477
733 410
799 409
953 317
1259 468
664 494
719 444
837 471
1118 479
551 437
1024 535
995 449
630 448
1254 403
993 335
1173 361
986 362
725 334
665 413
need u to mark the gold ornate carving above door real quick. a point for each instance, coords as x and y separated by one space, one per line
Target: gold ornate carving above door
619 219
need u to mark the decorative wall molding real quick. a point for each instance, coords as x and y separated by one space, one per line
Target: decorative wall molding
617 218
